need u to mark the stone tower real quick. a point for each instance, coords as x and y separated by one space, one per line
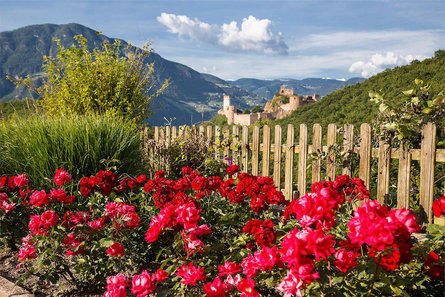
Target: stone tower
226 102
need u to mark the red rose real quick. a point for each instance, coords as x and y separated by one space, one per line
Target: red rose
439 207
116 250
231 170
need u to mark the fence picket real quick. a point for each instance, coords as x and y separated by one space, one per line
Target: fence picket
403 180
209 134
174 133
302 159
317 147
348 146
365 154
217 143
255 150
277 158
427 161
245 149
226 140
383 171
235 145
266 150
330 164
155 155
289 163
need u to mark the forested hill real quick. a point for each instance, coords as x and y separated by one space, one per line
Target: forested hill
351 105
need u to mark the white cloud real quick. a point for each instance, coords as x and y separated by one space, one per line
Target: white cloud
378 63
253 34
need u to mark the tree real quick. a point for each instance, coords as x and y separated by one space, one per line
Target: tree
105 80
257 109
246 111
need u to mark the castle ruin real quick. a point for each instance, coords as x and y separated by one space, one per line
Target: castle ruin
279 107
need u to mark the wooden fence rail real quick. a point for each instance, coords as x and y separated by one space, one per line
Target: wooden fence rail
256 154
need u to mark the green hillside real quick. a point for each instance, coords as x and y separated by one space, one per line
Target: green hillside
351 105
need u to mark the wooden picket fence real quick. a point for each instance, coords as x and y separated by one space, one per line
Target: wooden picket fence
255 157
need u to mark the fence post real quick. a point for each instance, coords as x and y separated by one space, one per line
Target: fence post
403 182
217 145
209 134
302 159
174 133
156 155
226 141
245 149
266 150
383 171
289 164
255 150
348 146
317 147
162 145
365 154
277 158
427 161
201 132
235 145
332 139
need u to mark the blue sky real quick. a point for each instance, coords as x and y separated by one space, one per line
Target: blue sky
257 38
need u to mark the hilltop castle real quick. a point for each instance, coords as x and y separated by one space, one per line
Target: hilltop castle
280 106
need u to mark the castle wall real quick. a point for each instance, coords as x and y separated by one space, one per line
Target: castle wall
295 101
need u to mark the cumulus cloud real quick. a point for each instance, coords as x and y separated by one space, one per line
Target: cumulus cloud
377 63
253 34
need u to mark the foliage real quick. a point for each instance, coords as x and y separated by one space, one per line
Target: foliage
102 81
39 145
257 108
246 111
206 236
404 122
218 120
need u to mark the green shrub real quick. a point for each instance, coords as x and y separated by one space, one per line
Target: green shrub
107 80
40 145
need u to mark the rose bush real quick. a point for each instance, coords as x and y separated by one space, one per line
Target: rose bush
198 236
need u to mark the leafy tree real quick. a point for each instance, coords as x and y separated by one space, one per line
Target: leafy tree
106 80
246 111
257 109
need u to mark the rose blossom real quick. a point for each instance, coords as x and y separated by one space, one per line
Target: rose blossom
143 284
116 250
191 274
217 288
62 177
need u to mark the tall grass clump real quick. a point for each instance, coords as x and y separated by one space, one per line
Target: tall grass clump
39 145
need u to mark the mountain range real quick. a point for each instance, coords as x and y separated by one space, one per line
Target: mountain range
307 86
190 98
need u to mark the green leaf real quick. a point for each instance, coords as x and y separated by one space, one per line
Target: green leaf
438 100
409 92
418 81
415 100
396 290
106 243
383 107
427 110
